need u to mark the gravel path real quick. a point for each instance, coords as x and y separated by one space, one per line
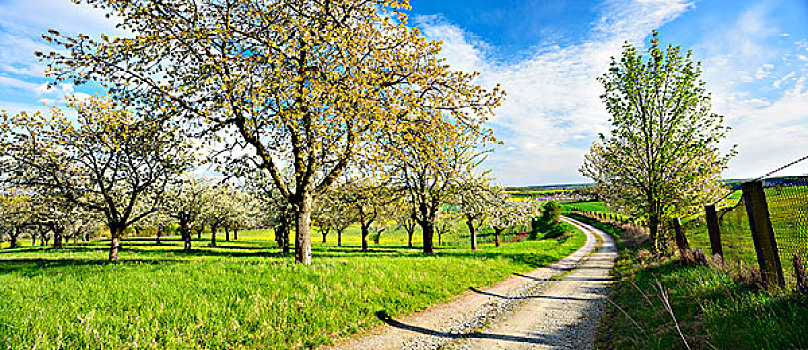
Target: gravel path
553 307
564 316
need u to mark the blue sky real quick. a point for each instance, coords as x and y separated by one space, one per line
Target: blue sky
547 55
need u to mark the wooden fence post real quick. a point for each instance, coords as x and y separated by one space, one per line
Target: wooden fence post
714 230
681 240
762 233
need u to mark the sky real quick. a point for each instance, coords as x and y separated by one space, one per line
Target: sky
547 55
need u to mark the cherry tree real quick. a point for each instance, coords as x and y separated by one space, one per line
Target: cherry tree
478 200
334 214
309 88
186 203
16 214
110 159
511 214
369 203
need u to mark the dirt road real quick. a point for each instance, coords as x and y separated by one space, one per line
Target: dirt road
553 307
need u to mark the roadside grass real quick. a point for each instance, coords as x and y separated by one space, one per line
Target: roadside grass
712 309
241 294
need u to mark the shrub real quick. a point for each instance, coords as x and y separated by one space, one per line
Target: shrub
552 212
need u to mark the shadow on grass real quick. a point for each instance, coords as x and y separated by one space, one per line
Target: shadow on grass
35 267
530 259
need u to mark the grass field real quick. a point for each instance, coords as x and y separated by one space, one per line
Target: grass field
586 206
713 310
531 193
241 295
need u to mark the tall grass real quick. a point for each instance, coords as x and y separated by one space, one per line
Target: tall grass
712 310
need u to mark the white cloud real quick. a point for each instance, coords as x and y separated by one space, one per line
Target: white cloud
80 97
67 89
553 107
43 89
769 115
464 52
17 83
552 102
46 101
771 136
22 23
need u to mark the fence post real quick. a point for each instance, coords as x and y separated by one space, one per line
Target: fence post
681 240
714 230
762 233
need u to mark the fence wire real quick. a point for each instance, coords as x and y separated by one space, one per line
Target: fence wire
787 198
736 235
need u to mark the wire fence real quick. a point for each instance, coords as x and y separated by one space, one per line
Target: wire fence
787 203
787 199
736 235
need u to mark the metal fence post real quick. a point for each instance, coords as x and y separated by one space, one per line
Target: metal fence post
681 240
714 230
762 233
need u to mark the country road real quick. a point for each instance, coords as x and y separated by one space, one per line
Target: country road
553 307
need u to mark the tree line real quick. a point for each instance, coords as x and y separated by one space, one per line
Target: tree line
326 113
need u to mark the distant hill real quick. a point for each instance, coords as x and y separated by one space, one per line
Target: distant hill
561 187
556 187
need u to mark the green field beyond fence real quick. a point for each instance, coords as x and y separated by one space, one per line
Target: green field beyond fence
787 200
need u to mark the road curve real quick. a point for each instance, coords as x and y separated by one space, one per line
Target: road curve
553 307
565 315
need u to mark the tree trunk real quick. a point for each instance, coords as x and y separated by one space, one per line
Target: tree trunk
653 228
410 232
33 240
115 242
282 236
440 237
159 233
227 234
57 239
303 232
285 239
42 240
76 239
14 239
199 233
427 225
472 233
185 232
497 231
339 238
325 233
428 231
86 237
365 232
235 234
213 230
278 234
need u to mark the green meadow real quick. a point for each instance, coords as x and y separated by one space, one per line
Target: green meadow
243 294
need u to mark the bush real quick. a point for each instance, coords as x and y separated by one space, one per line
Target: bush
547 228
552 212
